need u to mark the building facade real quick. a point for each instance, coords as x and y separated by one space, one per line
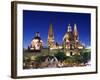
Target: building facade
71 42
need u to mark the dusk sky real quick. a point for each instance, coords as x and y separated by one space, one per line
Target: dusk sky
39 21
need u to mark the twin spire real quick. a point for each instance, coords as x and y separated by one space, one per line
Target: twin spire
68 36
75 32
69 28
51 34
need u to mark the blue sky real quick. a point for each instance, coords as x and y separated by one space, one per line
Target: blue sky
39 21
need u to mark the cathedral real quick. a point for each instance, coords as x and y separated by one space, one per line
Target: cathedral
71 42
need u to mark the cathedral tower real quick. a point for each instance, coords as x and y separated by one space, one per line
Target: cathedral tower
75 33
51 37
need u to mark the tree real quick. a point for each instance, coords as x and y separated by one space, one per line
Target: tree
78 58
60 56
39 59
86 56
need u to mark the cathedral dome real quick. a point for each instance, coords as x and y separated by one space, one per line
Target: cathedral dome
36 43
69 36
38 38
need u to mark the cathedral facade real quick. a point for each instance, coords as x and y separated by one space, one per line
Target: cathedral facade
71 42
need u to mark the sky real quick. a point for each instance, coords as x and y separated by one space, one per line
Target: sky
39 21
